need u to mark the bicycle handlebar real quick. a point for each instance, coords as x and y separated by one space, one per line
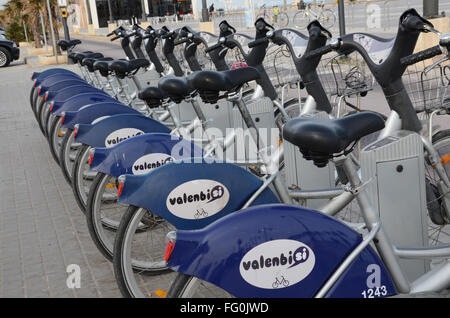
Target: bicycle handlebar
109 34
181 41
257 42
333 45
115 38
421 56
212 48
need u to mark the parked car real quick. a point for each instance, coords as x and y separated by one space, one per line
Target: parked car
8 51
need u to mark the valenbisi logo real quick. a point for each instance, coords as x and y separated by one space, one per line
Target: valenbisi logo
197 199
120 135
277 264
149 162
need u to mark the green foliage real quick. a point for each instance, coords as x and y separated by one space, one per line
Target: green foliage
15 32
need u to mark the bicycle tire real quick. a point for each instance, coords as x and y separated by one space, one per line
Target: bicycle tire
39 109
301 20
283 22
77 172
63 155
327 18
124 268
184 286
51 137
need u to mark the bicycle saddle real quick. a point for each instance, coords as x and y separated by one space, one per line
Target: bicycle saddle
176 87
318 139
210 83
65 45
82 55
153 96
89 62
122 67
102 66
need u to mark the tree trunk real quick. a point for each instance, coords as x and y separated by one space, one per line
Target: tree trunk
37 30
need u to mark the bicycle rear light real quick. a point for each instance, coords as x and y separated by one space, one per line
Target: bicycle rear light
91 155
51 106
172 237
46 96
75 130
121 184
62 118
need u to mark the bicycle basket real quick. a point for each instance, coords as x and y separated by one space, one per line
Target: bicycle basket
427 85
280 67
345 75
203 58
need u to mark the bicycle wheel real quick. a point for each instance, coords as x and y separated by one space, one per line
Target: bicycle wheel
103 213
55 136
67 155
138 254
327 18
82 177
438 225
283 20
301 20
186 286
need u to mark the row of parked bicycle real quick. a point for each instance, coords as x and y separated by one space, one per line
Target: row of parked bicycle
169 189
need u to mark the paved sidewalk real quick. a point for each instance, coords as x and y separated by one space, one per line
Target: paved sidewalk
42 230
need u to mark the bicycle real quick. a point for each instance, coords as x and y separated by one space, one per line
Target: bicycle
275 15
325 16
340 199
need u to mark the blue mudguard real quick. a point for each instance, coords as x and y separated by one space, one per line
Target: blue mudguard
67 92
140 154
191 195
114 129
80 100
44 74
55 78
278 250
93 113
53 89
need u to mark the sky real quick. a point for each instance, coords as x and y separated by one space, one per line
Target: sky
2 2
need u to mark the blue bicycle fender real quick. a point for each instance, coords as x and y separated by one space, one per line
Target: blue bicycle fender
114 129
92 113
191 195
55 78
277 250
43 74
67 92
140 154
80 100
53 89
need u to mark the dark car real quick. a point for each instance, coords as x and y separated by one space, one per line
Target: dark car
8 51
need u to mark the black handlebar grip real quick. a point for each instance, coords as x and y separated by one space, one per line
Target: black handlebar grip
319 52
212 48
257 42
115 38
109 34
420 56
180 41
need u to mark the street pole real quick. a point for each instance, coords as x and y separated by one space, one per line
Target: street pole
111 18
25 31
341 12
144 15
43 31
52 32
205 14
430 8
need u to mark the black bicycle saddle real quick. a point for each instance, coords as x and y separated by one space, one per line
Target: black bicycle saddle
122 67
319 139
176 87
153 96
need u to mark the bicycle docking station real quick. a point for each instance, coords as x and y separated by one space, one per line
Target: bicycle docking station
303 174
395 165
